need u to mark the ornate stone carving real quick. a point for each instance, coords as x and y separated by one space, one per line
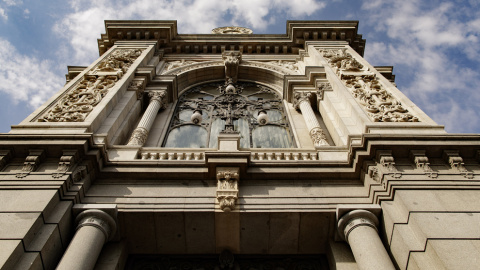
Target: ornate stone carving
299 97
456 163
318 136
380 105
231 61
79 173
384 166
290 65
31 163
322 87
137 85
227 188
269 66
191 66
232 30
78 102
158 96
139 136
66 161
178 63
421 162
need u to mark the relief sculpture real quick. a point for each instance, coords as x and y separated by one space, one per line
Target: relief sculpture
365 87
78 102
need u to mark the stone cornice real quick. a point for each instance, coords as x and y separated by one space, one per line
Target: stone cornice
165 33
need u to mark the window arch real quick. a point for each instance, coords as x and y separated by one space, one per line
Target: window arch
253 110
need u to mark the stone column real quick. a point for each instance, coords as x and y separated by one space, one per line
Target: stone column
359 229
94 229
140 134
302 102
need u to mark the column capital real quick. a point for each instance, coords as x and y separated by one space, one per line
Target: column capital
157 95
299 97
354 219
102 217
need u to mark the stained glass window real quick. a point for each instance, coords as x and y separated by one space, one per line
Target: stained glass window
255 111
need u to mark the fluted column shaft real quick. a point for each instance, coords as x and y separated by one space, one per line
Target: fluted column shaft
359 229
302 103
94 229
140 134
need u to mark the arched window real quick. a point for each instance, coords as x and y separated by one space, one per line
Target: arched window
253 110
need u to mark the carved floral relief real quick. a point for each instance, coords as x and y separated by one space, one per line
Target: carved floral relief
77 103
380 105
227 188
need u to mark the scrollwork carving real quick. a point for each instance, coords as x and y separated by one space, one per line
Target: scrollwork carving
365 87
63 166
77 103
31 163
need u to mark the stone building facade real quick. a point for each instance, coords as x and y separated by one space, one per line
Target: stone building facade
235 150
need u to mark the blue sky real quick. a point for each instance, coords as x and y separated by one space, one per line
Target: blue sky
434 46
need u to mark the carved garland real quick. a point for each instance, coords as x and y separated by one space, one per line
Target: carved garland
380 105
80 101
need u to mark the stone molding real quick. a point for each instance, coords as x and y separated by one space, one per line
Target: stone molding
77 103
98 219
227 187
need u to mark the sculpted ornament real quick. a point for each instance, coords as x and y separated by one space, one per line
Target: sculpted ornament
31 163
365 87
232 30
178 63
227 188
299 97
318 136
63 166
78 102
231 60
139 136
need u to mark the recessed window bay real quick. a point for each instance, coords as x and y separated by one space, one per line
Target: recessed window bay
255 111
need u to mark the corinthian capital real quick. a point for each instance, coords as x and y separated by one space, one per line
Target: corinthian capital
299 97
157 95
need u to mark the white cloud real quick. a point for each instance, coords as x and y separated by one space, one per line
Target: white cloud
26 78
13 2
3 14
431 43
82 27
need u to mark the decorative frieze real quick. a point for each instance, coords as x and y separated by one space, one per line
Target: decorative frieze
272 66
365 87
78 102
227 188
31 163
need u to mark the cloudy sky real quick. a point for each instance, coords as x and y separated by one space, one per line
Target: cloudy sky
433 45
